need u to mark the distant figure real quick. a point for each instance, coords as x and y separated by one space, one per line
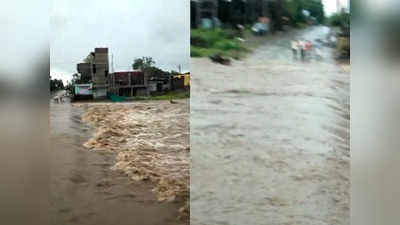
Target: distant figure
307 47
239 28
295 48
58 98
302 49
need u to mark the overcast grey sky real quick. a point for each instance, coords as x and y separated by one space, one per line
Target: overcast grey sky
129 28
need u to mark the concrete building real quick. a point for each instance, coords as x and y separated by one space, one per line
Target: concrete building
128 83
85 70
94 70
203 9
338 6
178 83
100 72
186 79
97 82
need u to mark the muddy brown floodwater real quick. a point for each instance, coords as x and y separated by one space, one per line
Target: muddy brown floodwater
87 189
270 138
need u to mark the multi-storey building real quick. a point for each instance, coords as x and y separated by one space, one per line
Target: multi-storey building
94 69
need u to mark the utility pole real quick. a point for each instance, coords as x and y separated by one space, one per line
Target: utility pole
112 63
179 68
338 6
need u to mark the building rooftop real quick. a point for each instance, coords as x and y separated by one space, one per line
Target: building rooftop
126 72
101 50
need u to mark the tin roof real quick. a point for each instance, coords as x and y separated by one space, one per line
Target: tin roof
134 72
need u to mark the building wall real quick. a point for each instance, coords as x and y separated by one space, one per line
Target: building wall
141 92
83 89
186 78
100 66
85 70
95 68
100 92
128 83
137 78
203 9
178 83
100 74
152 86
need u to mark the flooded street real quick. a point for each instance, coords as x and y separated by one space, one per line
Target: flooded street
85 190
270 138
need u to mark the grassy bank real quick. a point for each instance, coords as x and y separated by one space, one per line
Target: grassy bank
164 96
204 43
173 95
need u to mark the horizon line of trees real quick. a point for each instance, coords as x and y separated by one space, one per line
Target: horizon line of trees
241 12
341 19
147 64
55 84
294 10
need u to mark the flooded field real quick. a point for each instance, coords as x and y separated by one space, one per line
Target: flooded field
270 138
96 187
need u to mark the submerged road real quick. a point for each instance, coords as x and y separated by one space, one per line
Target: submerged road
85 191
270 138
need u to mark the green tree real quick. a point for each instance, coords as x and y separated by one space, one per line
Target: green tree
173 72
69 87
143 63
294 10
76 79
339 19
158 73
56 84
316 9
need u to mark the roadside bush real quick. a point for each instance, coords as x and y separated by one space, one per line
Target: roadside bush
198 41
227 45
206 43
228 34
208 38
301 25
195 51
204 38
203 52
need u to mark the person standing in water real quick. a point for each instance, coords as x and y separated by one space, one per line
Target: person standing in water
308 48
295 48
302 50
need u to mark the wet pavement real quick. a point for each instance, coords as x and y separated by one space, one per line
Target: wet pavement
84 189
270 138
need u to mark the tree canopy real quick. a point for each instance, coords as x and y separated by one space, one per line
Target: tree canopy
294 10
148 64
143 63
56 84
339 19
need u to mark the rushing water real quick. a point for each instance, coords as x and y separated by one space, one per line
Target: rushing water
270 138
84 190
